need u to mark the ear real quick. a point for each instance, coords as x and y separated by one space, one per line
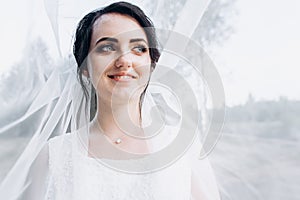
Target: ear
85 73
152 67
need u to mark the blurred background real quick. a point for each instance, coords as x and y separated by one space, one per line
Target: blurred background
254 45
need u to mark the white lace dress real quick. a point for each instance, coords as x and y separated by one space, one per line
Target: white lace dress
95 181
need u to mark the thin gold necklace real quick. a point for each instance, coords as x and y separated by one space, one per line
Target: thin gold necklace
116 141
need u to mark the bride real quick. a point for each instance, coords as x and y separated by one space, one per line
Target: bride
111 156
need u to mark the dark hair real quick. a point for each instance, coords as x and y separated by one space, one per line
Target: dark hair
85 29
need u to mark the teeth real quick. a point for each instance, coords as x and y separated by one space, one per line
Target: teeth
122 77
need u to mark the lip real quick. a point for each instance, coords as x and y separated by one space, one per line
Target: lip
122 76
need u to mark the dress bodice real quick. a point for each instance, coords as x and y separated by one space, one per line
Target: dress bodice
81 177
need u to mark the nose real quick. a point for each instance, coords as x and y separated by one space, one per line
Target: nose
124 60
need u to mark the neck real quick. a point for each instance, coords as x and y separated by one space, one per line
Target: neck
116 120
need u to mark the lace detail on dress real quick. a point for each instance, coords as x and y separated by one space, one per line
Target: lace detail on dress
61 167
78 177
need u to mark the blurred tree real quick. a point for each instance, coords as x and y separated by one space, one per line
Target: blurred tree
215 27
217 23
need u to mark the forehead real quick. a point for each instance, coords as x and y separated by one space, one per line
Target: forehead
117 25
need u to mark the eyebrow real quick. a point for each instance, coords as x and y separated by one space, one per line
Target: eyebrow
106 39
137 40
116 41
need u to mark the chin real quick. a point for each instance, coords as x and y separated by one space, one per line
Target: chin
126 95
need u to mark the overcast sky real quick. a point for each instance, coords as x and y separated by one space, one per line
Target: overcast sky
261 57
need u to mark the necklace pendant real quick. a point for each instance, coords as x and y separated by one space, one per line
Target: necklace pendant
118 141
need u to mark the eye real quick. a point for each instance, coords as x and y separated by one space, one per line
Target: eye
140 49
106 48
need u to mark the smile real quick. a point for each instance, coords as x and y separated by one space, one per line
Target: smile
121 77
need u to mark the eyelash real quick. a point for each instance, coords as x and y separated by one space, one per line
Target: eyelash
140 48
102 47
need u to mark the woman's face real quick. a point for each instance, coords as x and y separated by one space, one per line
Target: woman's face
119 60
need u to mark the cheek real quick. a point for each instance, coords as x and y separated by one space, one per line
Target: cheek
144 72
144 68
96 67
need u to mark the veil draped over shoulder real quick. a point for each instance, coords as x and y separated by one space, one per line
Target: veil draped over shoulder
41 98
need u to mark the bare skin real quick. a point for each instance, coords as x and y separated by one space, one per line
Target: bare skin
119 67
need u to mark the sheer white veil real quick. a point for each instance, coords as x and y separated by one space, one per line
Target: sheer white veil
41 98
55 103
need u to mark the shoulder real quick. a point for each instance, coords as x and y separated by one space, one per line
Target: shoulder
60 137
60 141
59 148
60 163
60 144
